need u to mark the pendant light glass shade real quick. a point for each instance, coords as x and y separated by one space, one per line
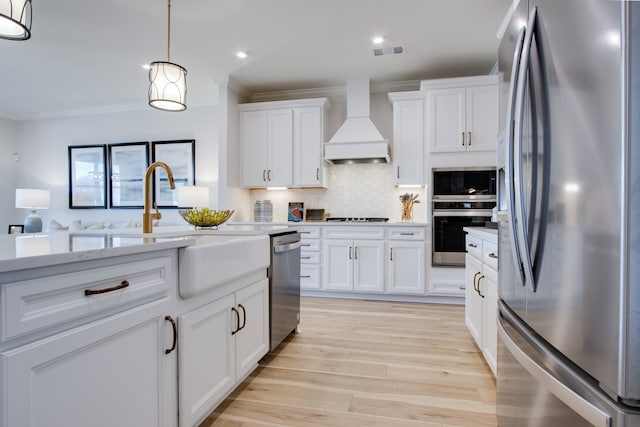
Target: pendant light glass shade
15 19
167 81
167 86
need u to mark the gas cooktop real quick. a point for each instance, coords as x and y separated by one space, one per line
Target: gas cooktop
356 219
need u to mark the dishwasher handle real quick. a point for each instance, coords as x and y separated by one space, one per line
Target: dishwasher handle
286 248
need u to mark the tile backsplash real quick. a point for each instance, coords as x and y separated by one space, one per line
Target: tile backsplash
359 190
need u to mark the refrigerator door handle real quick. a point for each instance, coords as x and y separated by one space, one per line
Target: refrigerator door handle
513 84
573 400
521 227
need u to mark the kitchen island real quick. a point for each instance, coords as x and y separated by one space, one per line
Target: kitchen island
91 325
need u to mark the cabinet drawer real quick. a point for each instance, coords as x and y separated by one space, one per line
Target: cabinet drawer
354 233
309 257
35 304
309 233
310 245
310 276
474 246
408 233
490 254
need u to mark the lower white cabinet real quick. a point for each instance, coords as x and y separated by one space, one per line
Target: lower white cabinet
111 372
220 344
481 292
405 267
353 265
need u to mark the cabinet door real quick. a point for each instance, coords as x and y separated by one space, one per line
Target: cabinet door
338 265
207 359
280 155
253 143
252 340
446 120
473 301
408 141
489 288
482 118
111 372
308 138
368 266
406 262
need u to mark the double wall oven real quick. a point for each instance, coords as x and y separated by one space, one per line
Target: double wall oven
461 198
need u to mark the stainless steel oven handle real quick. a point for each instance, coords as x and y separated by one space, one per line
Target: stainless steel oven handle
286 248
464 212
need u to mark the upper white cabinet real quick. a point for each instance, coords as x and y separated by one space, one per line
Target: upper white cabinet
461 114
281 143
408 137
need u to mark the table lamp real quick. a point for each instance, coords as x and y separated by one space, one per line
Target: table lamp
30 198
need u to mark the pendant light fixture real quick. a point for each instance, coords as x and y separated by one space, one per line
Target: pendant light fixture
15 19
168 81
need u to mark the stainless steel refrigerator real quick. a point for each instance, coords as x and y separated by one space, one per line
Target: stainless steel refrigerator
569 220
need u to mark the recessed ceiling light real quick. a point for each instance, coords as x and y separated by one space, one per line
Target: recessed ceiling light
241 54
377 39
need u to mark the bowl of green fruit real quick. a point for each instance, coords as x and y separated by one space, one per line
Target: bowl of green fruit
205 217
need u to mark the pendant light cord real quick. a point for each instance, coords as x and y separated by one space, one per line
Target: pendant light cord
168 30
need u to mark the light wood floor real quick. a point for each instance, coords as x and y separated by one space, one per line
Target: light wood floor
368 363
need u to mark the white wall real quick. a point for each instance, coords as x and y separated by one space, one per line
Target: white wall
44 160
8 171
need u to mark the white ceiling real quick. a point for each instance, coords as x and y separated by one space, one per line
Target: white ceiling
87 55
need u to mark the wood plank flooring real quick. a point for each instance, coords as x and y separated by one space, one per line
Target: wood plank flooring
368 363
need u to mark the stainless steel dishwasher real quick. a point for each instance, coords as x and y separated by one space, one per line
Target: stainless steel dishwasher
284 286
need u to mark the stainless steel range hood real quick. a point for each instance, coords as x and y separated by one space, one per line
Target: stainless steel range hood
358 140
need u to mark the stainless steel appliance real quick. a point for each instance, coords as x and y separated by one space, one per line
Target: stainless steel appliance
461 198
284 285
569 270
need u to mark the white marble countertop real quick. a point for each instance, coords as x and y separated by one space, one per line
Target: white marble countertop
25 251
332 223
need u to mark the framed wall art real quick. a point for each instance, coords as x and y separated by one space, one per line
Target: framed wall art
128 162
87 177
180 156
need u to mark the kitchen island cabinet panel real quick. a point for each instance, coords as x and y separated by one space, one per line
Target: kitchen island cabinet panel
406 267
353 265
112 372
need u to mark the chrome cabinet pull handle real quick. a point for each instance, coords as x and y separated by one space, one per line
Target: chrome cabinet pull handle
233 309
122 285
174 327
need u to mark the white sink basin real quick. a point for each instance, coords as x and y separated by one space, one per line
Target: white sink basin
218 259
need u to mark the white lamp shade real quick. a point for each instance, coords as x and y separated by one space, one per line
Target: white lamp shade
30 198
15 19
193 196
167 86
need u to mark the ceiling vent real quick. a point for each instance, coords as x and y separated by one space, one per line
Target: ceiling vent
388 50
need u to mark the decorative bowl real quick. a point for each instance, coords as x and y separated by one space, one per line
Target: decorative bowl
205 217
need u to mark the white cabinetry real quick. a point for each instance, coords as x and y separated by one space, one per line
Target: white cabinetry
310 258
220 344
281 143
354 259
462 114
406 261
90 345
267 147
481 294
408 137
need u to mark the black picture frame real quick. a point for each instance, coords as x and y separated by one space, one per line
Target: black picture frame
180 156
128 162
87 176
15 229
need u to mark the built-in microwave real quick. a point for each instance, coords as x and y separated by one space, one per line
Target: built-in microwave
461 198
